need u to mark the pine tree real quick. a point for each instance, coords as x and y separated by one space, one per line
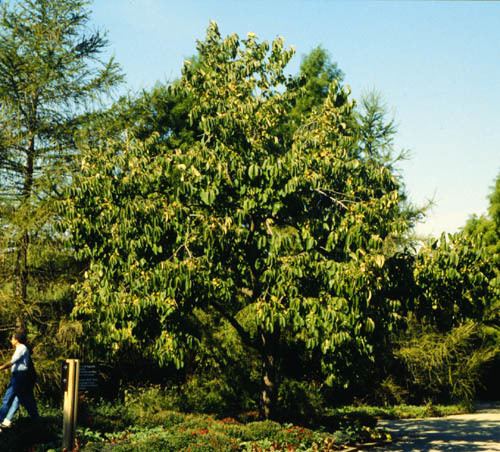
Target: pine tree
51 74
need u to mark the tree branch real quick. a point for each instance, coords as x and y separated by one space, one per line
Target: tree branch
335 200
244 335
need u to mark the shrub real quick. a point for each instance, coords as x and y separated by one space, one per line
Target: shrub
194 440
208 395
446 364
300 401
388 393
152 398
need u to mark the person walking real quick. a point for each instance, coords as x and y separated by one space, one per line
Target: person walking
21 382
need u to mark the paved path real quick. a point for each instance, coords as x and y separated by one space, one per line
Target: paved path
479 431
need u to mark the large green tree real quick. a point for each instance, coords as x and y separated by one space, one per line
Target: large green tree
51 73
283 238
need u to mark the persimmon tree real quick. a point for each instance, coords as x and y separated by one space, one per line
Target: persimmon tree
278 235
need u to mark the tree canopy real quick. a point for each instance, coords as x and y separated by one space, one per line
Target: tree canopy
276 236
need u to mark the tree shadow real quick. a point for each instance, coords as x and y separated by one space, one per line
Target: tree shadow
25 434
444 435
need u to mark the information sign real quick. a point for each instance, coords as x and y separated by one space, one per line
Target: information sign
89 378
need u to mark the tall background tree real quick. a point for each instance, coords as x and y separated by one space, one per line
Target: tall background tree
51 74
316 74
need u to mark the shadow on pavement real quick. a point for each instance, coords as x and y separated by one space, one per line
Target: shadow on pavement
445 434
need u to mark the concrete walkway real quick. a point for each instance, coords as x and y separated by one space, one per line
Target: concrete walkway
479 431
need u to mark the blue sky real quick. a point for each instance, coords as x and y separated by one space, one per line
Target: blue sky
436 65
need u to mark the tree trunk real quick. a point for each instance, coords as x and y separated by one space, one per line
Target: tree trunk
21 287
28 175
269 394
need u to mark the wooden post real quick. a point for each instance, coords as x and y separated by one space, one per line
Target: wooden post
70 407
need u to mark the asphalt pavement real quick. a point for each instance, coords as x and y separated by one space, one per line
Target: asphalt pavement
479 431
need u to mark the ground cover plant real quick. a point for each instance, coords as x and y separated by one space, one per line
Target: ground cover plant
146 421
402 411
139 426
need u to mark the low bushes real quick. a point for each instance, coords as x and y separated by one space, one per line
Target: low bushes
202 433
146 421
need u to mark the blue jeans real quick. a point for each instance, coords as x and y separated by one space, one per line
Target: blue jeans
20 387
14 406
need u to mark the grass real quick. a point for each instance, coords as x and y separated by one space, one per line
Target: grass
403 411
